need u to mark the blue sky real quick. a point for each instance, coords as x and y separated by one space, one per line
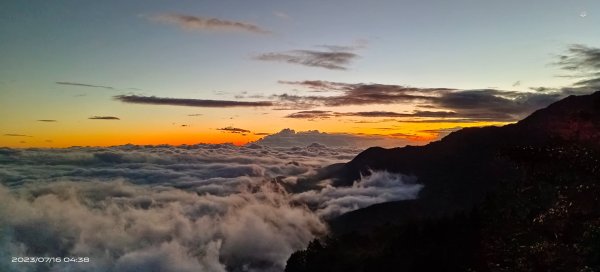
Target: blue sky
452 44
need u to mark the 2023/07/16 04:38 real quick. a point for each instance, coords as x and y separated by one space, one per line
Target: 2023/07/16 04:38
50 259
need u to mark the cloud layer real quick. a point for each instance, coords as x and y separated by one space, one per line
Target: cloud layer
186 208
484 104
433 104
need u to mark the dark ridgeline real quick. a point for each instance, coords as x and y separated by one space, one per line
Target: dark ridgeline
523 197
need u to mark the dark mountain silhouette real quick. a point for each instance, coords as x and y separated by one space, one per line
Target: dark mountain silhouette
523 197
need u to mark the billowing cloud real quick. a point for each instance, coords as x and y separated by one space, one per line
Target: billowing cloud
153 100
104 118
333 59
186 208
291 138
83 85
378 187
207 23
167 229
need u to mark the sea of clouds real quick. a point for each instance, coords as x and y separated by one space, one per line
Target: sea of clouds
174 208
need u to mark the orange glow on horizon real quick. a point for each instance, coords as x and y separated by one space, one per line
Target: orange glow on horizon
418 133
60 141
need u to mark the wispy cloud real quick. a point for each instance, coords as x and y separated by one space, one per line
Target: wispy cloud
584 63
317 85
336 58
581 57
153 100
104 118
16 135
83 85
208 23
47 120
282 15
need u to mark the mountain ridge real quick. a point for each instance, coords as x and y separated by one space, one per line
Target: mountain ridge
476 148
522 173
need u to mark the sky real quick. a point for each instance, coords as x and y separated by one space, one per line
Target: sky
83 73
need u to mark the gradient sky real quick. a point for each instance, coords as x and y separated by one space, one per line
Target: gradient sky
67 61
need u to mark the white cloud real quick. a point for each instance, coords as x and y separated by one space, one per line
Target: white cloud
291 138
380 186
186 208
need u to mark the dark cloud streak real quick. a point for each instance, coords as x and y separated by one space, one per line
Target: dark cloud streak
104 118
153 100
314 114
16 135
234 130
83 85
